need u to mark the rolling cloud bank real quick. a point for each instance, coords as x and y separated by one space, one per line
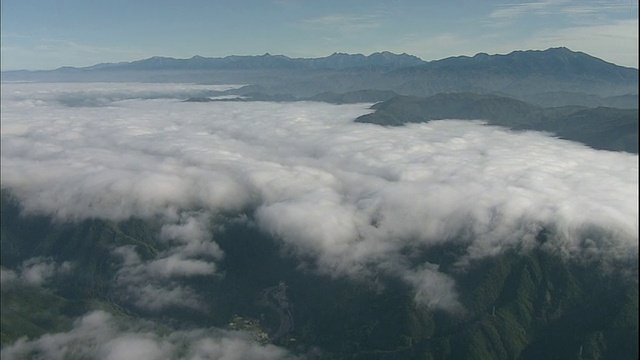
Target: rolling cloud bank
350 199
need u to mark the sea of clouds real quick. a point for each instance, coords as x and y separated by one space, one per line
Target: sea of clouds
355 198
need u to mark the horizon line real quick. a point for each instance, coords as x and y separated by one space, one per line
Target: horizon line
306 58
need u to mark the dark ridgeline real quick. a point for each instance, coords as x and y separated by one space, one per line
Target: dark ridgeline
553 77
604 128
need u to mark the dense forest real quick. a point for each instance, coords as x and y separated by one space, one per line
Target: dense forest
521 304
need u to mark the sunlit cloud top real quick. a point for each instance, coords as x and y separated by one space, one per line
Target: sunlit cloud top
354 199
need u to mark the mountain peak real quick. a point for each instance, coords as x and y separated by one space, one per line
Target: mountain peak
559 62
560 49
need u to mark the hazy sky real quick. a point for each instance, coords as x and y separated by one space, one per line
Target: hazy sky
45 34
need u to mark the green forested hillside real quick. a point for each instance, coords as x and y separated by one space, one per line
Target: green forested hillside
518 305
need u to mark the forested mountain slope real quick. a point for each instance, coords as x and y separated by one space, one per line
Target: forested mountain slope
520 304
601 128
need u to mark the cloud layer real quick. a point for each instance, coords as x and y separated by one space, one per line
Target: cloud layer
100 335
355 198
155 284
33 272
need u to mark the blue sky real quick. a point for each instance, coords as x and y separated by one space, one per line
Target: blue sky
46 34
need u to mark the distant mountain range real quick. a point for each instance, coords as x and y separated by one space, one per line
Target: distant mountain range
553 77
337 61
522 73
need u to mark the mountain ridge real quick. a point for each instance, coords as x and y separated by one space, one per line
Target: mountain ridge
335 61
382 58
568 77
603 128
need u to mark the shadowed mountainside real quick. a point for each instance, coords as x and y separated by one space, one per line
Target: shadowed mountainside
601 128
519 304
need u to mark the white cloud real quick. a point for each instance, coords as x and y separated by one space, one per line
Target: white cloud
192 236
34 272
345 23
434 288
100 335
512 11
102 94
7 278
581 12
37 270
155 284
352 197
